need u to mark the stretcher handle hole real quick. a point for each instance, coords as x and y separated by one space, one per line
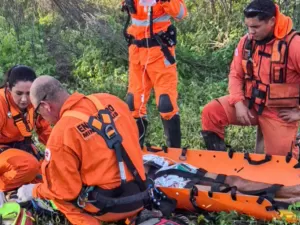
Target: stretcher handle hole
277 161
214 156
200 155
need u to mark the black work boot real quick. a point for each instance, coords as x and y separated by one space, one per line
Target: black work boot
172 131
142 125
213 141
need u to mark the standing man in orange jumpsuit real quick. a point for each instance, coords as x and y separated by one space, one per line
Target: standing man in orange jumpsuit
92 157
152 38
263 85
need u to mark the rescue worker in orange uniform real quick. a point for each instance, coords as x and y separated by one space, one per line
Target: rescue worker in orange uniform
19 157
263 84
152 38
84 167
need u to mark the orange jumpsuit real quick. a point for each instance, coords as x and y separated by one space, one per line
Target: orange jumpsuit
278 135
17 166
149 68
76 156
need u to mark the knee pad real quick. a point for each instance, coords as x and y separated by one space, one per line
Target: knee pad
130 101
165 104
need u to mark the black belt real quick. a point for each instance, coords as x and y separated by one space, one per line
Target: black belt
125 198
108 202
154 42
145 43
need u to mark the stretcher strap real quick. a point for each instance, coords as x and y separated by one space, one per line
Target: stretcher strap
270 191
230 153
165 148
276 205
266 193
193 194
221 178
289 156
259 162
150 149
182 156
262 198
297 166
232 191
282 205
217 187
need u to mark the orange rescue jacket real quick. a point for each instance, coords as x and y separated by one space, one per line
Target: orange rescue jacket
77 157
15 127
277 93
162 12
145 30
275 75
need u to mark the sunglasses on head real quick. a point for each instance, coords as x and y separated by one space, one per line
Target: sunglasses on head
255 11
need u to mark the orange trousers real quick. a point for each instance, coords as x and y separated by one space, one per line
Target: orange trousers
279 137
149 69
17 167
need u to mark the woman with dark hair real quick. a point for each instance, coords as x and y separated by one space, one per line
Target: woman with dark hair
19 158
